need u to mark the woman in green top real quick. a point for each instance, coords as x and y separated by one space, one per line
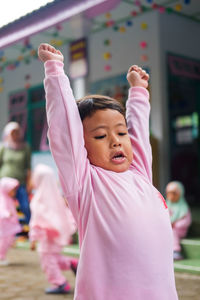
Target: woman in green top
15 162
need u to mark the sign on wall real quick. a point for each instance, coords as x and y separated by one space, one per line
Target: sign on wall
78 58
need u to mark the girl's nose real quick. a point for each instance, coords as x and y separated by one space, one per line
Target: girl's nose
115 142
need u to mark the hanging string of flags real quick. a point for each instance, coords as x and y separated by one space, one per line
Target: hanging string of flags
27 52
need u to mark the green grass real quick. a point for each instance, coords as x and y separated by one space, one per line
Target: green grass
188 266
72 250
191 248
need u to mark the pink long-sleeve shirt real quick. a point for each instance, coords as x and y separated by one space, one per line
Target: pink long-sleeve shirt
125 234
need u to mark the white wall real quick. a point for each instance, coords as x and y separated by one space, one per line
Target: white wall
125 47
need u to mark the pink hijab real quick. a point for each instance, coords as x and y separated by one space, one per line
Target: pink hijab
7 205
49 212
7 136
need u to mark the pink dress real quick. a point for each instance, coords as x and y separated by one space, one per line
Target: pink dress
51 219
180 229
52 224
9 224
126 242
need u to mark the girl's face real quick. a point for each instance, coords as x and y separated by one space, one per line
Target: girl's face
107 140
173 195
16 135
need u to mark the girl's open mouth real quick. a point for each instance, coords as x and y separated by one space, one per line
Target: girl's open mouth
118 157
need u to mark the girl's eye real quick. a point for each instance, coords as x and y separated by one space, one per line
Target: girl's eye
99 137
122 133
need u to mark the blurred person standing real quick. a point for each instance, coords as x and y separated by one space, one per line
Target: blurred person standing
15 162
180 214
52 225
9 224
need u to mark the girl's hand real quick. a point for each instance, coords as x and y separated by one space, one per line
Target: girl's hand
48 52
33 245
136 76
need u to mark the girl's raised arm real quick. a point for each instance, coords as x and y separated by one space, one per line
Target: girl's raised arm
65 131
137 115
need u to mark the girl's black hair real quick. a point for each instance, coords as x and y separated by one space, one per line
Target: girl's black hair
88 105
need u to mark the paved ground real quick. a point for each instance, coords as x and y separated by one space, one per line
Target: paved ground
23 280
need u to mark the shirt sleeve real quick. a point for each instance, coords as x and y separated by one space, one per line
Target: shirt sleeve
137 115
65 130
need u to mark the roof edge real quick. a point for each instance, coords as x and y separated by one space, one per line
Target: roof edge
48 16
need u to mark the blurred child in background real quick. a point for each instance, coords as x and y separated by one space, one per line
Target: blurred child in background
179 214
9 224
52 225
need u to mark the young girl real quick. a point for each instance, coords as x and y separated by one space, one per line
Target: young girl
9 224
104 164
52 225
179 214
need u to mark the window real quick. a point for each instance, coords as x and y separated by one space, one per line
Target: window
28 108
